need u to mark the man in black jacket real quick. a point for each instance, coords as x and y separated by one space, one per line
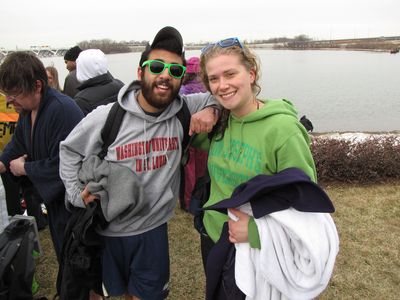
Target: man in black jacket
71 83
98 86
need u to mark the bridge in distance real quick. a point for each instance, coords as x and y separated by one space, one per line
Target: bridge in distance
41 51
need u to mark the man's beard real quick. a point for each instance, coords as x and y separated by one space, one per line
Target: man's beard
157 101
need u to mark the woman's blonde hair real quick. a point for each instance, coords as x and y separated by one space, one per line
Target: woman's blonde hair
249 60
53 71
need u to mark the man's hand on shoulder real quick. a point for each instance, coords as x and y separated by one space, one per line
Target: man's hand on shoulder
204 120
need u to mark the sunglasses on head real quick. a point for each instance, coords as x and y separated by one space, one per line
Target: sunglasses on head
158 66
223 44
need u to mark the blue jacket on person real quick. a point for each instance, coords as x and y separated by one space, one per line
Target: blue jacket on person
57 116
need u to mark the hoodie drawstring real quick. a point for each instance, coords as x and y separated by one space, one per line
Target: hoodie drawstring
166 148
145 138
228 139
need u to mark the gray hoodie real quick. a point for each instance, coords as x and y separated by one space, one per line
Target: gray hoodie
149 146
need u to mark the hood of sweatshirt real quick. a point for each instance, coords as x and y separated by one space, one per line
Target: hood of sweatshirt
90 63
271 113
270 108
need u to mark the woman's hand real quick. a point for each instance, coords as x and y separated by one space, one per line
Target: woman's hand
238 230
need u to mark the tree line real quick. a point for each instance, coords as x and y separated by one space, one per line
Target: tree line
109 46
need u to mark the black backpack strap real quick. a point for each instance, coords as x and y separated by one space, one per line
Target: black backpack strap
111 127
184 117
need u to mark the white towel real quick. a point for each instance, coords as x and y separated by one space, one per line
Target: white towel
296 260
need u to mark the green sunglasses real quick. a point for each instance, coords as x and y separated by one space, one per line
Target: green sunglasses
158 66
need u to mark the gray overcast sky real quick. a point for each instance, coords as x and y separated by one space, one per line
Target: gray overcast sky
56 23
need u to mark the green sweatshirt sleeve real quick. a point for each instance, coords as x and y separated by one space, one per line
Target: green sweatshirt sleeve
254 236
296 153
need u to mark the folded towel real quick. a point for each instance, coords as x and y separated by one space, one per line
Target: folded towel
296 259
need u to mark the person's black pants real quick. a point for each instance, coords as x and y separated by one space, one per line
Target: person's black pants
34 206
58 217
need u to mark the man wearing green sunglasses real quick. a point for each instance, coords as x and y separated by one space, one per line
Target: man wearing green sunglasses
135 256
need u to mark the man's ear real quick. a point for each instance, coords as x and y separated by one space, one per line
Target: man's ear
38 86
140 73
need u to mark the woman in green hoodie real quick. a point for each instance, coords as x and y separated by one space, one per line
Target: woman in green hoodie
252 137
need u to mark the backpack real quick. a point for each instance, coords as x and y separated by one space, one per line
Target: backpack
80 266
17 265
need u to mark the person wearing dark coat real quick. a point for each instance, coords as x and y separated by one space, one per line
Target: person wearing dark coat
46 119
98 86
71 83
307 124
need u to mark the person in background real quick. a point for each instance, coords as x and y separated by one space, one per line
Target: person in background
308 125
8 122
98 86
17 188
52 78
148 146
192 82
197 163
253 137
71 83
46 118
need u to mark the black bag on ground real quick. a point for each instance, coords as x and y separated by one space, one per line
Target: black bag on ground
17 265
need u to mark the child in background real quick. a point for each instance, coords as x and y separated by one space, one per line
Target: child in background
8 121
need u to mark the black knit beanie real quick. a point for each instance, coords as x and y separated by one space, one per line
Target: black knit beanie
73 53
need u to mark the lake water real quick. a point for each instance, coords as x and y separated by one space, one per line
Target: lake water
337 90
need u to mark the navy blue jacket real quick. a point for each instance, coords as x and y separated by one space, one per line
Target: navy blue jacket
57 116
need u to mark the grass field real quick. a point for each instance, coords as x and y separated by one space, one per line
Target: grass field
367 267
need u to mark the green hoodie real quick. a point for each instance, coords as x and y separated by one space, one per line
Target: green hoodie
266 141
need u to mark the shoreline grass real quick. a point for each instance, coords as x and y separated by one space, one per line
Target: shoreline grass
367 267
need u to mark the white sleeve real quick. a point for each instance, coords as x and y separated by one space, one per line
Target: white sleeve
83 141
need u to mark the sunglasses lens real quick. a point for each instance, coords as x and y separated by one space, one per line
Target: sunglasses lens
206 48
223 44
156 67
176 71
228 42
